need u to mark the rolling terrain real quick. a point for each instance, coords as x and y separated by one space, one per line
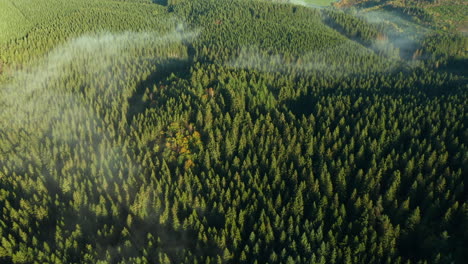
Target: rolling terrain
216 131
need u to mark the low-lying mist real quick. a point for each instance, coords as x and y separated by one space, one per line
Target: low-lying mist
39 93
356 60
400 37
77 95
400 33
67 116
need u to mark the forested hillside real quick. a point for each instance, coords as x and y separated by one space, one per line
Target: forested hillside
219 131
442 14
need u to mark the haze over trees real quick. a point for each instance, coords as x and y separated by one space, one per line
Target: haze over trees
216 131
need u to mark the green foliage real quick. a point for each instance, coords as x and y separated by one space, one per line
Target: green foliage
61 20
229 132
13 23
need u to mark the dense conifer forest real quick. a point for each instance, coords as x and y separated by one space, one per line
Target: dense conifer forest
229 131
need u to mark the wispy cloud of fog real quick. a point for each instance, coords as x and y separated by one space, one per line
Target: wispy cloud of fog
298 2
66 98
254 59
304 3
398 23
68 95
352 60
400 33
31 95
399 40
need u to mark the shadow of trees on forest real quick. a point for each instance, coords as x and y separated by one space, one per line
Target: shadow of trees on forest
160 2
